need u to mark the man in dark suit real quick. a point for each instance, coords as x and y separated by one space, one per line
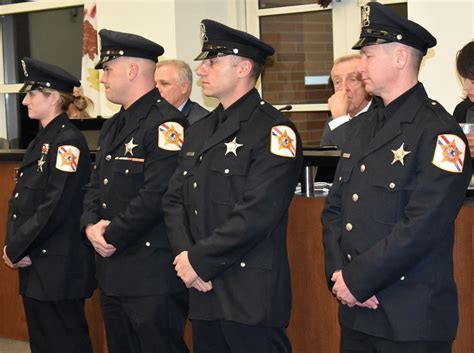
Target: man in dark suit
388 223
174 79
348 101
226 208
44 240
144 305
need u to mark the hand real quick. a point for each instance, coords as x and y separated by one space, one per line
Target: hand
184 269
24 262
341 291
339 104
202 286
371 303
7 259
95 234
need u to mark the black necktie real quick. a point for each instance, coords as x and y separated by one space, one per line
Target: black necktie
381 120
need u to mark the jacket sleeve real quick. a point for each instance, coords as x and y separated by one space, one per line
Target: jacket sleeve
427 220
269 188
50 213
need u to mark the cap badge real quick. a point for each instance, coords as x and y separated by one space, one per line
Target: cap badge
365 19
399 154
232 146
24 68
204 38
129 146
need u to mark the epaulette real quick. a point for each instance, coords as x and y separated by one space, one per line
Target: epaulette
270 110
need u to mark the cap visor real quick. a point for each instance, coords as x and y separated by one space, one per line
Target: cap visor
364 41
26 87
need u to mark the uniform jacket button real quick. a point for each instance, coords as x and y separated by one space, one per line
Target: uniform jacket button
147 243
106 181
226 171
16 195
391 185
43 251
21 174
348 227
355 197
185 172
196 212
362 168
349 257
127 171
242 264
108 157
402 278
200 158
195 185
104 205
14 216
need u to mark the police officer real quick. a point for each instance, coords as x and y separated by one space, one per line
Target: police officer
388 223
56 268
144 305
226 208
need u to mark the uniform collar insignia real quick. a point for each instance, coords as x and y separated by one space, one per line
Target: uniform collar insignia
399 154
232 146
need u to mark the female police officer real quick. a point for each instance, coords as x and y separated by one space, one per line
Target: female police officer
56 268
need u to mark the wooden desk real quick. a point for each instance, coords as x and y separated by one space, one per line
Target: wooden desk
313 327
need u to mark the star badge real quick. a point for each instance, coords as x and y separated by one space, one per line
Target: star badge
399 154
232 146
129 146
41 162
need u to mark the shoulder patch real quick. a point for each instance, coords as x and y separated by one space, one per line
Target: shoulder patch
67 158
283 141
449 153
170 136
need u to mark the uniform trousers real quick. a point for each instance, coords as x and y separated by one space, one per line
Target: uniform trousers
358 342
57 326
232 337
147 324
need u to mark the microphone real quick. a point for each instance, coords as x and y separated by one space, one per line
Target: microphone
285 108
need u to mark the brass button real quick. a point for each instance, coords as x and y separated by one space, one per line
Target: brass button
185 172
391 185
195 185
108 157
14 216
147 243
44 251
349 257
200 158
16 195
340 178
402 278
226 171
196 212
355 197
127 171
348 227
243 264
104 205
362 168
106 181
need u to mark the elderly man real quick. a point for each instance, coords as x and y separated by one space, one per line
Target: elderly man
388 223
144 305
348 101
174 79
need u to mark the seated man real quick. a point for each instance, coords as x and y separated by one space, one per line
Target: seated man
349 100
174 79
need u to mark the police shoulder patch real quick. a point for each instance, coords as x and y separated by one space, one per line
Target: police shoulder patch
283 141
67 158
449 153
170 136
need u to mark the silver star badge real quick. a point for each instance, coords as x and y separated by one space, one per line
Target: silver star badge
41 162
232 146
129 146
399 154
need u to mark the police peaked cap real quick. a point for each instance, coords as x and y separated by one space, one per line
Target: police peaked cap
381 25
39 75
117 44
219 40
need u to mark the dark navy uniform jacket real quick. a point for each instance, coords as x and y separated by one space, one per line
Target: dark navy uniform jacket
44 214
230 211
390 226
126 188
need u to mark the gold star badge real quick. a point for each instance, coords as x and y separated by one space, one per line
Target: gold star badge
399 154
41 162
232 146
129 146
